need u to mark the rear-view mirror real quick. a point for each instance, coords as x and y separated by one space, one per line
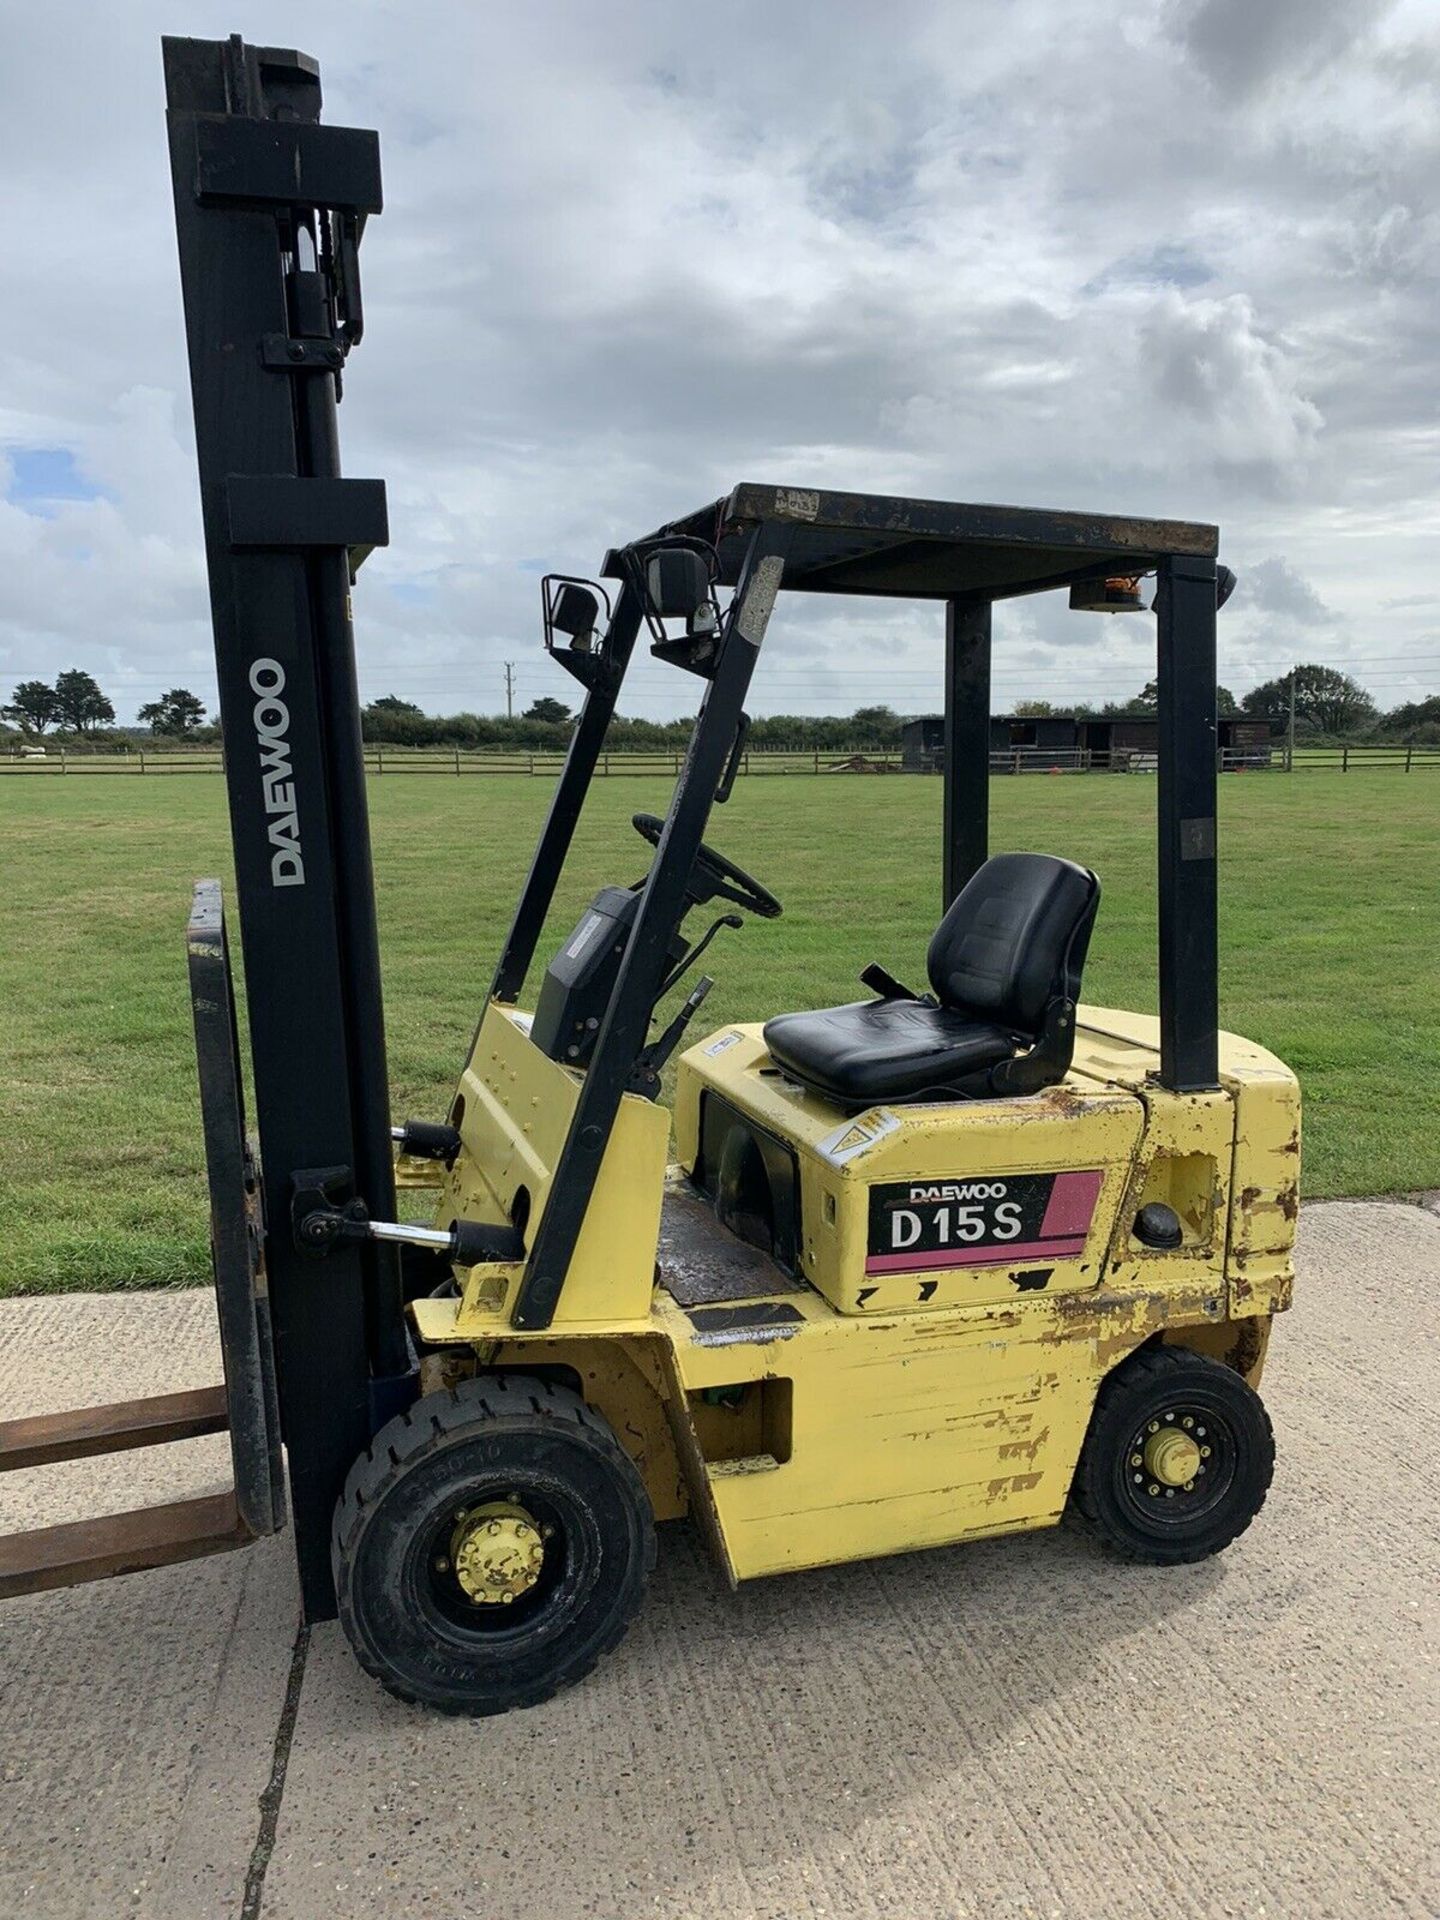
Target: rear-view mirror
576 611
677 583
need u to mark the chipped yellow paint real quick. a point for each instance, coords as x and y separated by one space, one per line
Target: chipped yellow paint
870 1425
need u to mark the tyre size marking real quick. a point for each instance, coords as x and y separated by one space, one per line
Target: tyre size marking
980 1221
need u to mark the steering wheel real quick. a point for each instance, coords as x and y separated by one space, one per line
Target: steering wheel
713 877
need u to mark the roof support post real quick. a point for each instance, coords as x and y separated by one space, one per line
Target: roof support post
967 742
586 744
1189 933
626 1022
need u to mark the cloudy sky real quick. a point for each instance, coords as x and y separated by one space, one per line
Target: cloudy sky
1174 257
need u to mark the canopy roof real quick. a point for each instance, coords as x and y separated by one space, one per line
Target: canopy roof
872 543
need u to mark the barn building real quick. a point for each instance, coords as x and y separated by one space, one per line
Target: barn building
1025 742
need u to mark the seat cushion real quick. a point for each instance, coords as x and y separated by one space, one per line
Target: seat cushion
876 1050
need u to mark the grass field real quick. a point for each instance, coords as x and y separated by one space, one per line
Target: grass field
1330 928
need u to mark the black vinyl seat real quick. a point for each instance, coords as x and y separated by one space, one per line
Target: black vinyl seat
1004 966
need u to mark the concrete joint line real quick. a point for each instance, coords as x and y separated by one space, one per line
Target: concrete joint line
274 1791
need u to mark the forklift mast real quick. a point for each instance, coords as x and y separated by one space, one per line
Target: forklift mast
270 207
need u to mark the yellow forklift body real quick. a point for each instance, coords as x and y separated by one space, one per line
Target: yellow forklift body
871 1403
513 1111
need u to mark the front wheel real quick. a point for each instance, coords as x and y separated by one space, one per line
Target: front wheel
490 1546
1178 1458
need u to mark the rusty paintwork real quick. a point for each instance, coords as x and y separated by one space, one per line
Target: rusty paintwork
916 1414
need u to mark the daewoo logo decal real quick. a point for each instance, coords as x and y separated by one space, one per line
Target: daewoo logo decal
277 776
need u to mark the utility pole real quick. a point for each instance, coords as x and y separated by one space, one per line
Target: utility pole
1290 730
510 691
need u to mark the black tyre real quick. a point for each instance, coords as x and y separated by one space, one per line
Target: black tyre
490 1546
1178 1458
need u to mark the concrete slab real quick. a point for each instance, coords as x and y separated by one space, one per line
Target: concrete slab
137 1717
1010 1729
1016 1728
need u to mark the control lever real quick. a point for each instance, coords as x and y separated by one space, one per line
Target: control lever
881 981
645 1077
683 965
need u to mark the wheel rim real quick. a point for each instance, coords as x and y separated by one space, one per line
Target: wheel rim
1179 1465
480 1588
497 1552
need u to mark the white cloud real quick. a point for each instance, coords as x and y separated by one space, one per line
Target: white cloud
1176 260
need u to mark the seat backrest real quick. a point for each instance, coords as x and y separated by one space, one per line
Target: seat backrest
1014 939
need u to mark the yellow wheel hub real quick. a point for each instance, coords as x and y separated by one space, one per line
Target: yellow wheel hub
1171 1457
497 1552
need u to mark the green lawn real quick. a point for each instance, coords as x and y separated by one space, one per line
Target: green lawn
1331 933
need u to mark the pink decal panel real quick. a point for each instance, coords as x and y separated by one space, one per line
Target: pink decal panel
980 1220
1072 1204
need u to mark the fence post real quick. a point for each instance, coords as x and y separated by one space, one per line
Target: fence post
457 761
1344 759
1409 749
142 759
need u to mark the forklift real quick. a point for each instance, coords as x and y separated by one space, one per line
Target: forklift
947 1262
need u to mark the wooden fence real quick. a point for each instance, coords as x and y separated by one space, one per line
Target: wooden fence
455 760
760 761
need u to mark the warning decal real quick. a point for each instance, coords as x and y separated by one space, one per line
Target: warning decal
981 1221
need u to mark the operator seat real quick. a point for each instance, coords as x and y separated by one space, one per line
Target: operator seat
1005 966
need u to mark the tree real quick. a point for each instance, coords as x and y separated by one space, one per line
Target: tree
392 703
81 704
1032 709
33 706
1325 699
1225 701
553 712
178 713
1146 701
875 727
1417 720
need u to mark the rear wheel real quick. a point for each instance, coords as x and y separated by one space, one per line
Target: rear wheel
1178 1458
490 1546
